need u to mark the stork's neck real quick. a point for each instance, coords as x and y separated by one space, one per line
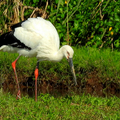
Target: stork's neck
58 56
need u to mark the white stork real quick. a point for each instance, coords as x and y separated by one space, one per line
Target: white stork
35 37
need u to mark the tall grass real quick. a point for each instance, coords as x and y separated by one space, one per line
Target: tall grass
105 62
86 60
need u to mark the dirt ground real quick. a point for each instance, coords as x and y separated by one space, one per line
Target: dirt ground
92 85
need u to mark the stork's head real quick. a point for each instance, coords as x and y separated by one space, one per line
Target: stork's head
68 53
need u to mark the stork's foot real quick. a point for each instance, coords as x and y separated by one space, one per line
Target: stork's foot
18 95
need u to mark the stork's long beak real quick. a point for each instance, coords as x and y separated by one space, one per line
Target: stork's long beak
72 70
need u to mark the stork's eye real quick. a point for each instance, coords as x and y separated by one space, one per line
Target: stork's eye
68 54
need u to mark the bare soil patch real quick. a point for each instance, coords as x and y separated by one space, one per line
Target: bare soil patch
93 85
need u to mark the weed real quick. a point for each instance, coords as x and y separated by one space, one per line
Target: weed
49 107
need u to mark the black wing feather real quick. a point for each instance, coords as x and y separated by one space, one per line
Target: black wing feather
9 39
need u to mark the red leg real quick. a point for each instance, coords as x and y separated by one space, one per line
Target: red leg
36 77
16 78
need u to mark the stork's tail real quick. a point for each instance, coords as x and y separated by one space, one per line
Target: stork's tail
4 40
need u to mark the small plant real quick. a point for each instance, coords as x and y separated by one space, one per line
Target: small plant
55 108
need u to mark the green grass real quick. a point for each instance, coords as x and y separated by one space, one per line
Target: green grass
86 60
48 107
73 107
105 62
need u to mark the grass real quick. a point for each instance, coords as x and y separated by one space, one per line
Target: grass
105 62
66 108
73 107
86 60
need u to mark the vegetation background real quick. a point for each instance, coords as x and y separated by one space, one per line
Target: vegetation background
93 28
93 23
89 23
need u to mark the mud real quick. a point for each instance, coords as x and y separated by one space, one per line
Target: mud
92 85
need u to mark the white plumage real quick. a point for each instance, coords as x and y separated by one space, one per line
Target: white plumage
36 37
